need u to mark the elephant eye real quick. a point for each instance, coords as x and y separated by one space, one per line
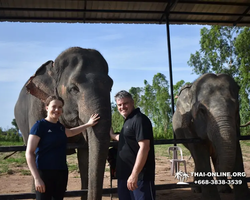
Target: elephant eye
73 89
202 109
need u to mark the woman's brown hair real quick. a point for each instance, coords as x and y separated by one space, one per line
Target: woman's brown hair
51 98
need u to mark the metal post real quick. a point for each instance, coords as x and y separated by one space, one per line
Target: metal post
170 68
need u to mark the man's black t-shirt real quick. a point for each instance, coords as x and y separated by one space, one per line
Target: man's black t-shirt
136 127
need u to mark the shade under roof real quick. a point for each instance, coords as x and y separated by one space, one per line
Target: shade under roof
203 12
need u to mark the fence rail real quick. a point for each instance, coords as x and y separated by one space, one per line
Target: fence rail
79 193
156 142
112 143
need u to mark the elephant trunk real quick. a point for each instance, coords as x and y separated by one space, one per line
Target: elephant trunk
98 151
224 139
98 142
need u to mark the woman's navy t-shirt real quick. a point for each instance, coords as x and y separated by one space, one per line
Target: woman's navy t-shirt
51 149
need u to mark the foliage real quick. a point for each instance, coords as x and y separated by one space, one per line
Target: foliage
242 46
156 103
15 125
136 94
10 135
226 50
217 51
117 121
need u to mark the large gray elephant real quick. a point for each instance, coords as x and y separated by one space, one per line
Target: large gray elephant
80 77
209 109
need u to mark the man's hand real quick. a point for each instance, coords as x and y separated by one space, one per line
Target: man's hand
132 182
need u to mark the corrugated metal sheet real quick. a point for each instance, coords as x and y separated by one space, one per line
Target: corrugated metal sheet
221 12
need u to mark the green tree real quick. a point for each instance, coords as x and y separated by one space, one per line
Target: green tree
136 94
242 46
2 134
12 135
155 103
217 51
117 119
15 125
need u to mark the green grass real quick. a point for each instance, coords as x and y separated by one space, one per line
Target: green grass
13 164
245 142
8 143
72 167
25 172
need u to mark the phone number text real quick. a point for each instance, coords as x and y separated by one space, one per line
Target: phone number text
218 182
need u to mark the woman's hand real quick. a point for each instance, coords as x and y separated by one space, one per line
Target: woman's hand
93 120
39 185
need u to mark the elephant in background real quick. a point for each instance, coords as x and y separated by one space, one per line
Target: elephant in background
80 77
209 109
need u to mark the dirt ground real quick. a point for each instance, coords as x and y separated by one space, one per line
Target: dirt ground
17 183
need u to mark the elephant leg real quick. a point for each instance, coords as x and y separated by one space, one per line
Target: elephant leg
241 191
83 159
222 188
200 153
197 188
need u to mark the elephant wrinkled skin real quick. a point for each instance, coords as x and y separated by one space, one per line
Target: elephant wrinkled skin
209 109
80 77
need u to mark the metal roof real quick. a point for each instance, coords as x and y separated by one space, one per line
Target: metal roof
204 12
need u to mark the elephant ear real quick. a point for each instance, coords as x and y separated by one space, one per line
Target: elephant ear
42 83
184 99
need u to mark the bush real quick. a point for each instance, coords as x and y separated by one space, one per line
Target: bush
11 135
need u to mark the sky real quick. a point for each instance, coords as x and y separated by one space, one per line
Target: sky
134 53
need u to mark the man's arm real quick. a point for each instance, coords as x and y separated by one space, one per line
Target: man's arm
113 136
140 161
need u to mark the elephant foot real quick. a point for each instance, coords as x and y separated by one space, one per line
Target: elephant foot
210 192
196 189
207 197
224 188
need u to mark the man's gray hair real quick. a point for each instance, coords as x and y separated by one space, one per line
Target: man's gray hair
123 94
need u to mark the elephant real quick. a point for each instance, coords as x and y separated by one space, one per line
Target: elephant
209 109
80 77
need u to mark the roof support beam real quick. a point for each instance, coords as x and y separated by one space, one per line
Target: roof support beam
84 12
167 10
241 17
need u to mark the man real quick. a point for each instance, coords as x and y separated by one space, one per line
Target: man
135 157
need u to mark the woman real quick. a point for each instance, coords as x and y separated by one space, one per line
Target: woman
48 140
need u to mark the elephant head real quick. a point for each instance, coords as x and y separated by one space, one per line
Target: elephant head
215 115
209 109
80 77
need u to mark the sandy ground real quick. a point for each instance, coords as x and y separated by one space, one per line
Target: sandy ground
17 183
